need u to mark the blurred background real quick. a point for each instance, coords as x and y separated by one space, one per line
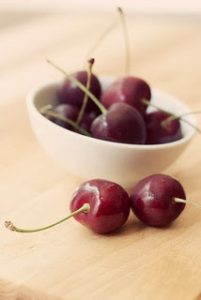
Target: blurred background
140 6
163 35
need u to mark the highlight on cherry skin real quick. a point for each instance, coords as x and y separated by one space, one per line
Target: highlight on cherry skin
157 200
130 90
101 205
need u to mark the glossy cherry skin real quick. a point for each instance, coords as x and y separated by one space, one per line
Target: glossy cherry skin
109 205
69 93
122 123
159 132
152 200
128 89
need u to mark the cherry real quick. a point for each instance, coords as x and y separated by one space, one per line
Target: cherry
127 89
69 93
109 205
157 200
121 123
101 205
80 86
161 128
70 116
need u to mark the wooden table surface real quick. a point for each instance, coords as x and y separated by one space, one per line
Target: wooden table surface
70 261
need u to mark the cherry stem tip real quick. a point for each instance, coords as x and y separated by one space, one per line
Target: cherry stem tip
179 200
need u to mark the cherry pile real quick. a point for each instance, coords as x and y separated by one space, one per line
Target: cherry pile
104 206
118 114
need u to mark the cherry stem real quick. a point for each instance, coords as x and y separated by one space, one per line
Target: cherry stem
101 38
85 100
179 200
126 39
171 118
147 103
48 111
80 86
83 209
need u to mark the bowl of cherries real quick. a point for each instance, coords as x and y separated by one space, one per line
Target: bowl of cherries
120 129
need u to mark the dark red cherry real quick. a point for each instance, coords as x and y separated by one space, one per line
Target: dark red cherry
153 200
128 89
69 93
121 123
109 205
161 129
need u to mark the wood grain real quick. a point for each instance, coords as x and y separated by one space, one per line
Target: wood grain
69 261
11 291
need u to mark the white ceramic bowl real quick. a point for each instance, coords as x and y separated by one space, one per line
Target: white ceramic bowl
92 158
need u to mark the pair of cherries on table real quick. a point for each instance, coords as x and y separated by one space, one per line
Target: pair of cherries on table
104 206
119 116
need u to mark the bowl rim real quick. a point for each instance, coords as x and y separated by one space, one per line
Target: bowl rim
30 101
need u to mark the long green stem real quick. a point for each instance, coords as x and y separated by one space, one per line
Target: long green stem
103 35
146 102
80 86
179 200
171 118
126 40
85 100
48 111
83 209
